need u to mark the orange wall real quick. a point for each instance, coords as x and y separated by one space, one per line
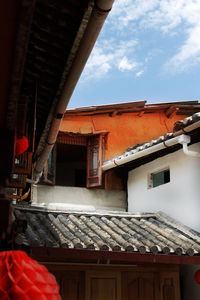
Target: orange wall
124 130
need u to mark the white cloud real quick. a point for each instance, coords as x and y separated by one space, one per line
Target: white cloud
99 63
126 65
139 74
128 18
110 54
126 11
188 54
167 16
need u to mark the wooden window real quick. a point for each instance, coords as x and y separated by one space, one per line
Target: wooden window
94 161
23 163
85 170
72 139
22 167
159 178
115 179
71 165
17 181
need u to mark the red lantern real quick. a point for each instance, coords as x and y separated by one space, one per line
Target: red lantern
21 145
22 278
197 276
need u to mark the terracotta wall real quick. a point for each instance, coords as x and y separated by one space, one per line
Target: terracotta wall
124 130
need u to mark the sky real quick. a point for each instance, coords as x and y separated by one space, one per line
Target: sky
147 50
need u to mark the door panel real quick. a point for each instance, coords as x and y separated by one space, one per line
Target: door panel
169 283
131 289
140 286
71 284
118 285
103 286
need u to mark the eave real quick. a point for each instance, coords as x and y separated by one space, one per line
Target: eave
139 107
60 255
107 236
51 43
96 20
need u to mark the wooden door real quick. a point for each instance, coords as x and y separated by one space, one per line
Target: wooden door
71 284
169 286
103 286
140 286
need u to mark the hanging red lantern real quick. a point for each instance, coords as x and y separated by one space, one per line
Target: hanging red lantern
197 276
22 278
21 145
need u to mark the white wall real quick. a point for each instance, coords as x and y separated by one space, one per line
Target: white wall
76 198
180 198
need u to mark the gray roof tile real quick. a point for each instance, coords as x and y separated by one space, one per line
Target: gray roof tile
155 233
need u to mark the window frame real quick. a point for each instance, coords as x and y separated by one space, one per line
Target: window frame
94 150
95 144
155 172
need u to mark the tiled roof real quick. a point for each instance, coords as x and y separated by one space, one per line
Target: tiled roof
150 233
186 122
181 127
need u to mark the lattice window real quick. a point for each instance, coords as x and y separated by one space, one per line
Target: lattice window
94 161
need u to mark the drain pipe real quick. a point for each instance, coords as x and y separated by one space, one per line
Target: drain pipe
186 151
97 19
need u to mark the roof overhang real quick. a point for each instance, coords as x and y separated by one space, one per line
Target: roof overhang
89 35
61 255
139 107
48 44
113 237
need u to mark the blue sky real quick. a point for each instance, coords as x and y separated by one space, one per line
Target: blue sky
147 50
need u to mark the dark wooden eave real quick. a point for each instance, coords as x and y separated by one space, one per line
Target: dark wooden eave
39 42
62 255
47 37
54 39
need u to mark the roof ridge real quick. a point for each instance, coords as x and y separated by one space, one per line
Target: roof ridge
81 212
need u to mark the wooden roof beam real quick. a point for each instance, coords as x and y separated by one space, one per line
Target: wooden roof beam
171 111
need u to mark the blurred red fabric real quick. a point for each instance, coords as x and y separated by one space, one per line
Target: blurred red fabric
22 278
